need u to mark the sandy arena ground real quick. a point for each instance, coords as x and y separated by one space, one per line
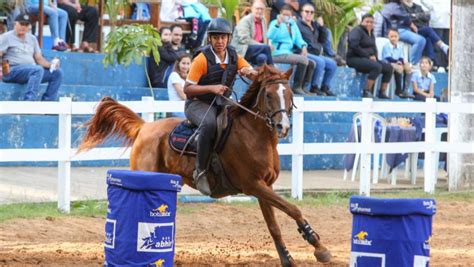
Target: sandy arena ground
225 235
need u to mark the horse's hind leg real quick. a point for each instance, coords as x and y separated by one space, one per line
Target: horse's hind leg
265 194
269 215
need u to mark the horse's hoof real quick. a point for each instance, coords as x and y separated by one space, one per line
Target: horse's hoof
323 255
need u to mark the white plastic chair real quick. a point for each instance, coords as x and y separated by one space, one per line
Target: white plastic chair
374 118
411 164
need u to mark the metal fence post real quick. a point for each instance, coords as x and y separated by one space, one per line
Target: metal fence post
366 129
148 116
64 165
430 139
298 145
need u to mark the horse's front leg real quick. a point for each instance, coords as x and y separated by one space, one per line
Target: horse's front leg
269 216
265 194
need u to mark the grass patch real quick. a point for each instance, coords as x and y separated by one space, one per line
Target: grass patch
90 208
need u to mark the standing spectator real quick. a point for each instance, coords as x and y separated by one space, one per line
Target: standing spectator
362 56
177 79
169 52
440 11
315 35
393 53
284 35
57 20
89 15
250 36
421 20
27 65
397 17
423 81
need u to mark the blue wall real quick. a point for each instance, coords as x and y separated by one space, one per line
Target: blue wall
85 79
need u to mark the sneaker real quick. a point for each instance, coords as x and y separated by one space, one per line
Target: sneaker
340 61
382 96
404 94
367 94
61 46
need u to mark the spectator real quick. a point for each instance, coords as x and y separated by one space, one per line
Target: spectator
89 15
423 81
362 56
250 36
397 17
393 53
295 6
198 15
284 35
440 11
315 35
169 52
57 20
421 20
177 79
27 65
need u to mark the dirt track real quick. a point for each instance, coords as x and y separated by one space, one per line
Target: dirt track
225 235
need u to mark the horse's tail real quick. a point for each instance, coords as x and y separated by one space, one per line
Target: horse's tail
111 119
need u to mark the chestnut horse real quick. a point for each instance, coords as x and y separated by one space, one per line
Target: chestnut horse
249 158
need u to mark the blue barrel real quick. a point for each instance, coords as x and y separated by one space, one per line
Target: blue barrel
391 232
140 226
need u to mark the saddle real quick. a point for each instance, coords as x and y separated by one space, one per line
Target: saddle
183 140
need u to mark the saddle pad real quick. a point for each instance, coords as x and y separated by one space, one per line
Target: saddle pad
180 136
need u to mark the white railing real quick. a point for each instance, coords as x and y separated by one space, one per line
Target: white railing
64 154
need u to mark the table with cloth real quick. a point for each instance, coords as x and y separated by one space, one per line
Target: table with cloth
394 133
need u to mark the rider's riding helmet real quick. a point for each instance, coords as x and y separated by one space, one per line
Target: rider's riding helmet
219 25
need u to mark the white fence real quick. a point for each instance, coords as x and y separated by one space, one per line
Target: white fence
64 154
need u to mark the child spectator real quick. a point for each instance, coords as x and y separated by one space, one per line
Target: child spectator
393 53
177 79
423 81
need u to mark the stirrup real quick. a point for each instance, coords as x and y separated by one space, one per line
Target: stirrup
201 182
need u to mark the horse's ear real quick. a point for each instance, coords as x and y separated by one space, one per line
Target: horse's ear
288 73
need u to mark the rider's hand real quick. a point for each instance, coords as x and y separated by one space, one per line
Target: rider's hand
219 89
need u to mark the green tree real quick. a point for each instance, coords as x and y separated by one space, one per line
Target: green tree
132 43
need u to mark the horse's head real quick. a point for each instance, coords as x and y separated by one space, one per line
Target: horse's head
274 98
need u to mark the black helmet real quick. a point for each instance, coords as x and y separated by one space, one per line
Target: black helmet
219 25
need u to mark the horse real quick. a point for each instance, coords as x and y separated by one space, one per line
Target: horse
249 158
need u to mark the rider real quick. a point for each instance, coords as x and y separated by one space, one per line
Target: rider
212 73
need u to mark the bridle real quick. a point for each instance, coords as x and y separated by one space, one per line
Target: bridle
265 116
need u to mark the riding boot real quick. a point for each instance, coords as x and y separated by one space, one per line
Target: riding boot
202 164
308 77
298 79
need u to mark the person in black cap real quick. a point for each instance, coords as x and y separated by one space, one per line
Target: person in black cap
212 74
27 66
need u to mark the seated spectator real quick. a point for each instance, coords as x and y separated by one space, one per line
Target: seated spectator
177 79
295 6
169 52
393 53
27 65
423 81
198 15
422 20
57 20
315 36
284 35
440 21
250 36
397 17
89 15
362 56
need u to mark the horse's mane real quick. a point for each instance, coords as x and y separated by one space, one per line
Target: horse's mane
265 73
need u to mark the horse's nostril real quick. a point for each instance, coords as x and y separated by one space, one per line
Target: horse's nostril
279 126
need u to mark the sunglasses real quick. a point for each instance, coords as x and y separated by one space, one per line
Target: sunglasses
308 11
